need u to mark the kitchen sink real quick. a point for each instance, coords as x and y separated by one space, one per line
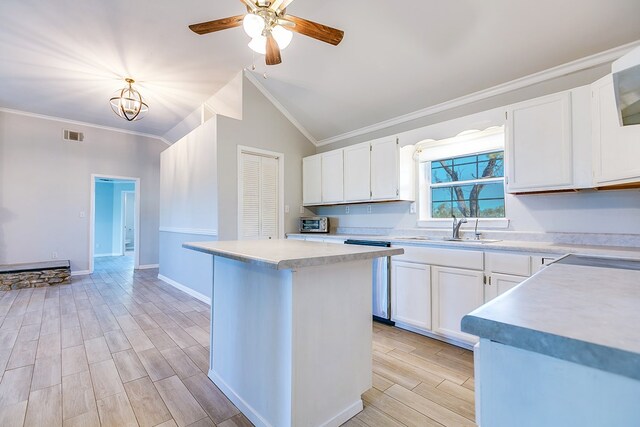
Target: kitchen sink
481 241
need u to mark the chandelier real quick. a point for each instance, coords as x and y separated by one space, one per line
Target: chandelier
128 103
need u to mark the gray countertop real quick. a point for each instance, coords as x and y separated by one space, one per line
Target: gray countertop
580 313
501 245
284 254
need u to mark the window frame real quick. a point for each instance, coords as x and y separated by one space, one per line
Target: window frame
425 185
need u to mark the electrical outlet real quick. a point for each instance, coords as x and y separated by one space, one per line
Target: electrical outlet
286 209
301 209
82 214
54 255
346 209
368 208
412 208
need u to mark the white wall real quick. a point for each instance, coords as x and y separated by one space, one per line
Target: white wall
583 212
262 126
199 184
189 208
45 184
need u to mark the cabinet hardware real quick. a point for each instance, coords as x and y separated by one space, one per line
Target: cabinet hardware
489 280
484 280
370 193
505 115
397 192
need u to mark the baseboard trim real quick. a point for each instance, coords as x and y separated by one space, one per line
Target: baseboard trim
147 266
197 295
344 416
243 406
104 255
80 272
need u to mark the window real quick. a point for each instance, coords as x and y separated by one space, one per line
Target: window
468 186
463 176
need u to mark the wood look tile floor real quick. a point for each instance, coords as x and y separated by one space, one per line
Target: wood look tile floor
120 348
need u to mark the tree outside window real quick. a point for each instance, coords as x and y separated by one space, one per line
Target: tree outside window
469 186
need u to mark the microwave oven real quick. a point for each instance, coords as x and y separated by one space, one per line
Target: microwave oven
314 224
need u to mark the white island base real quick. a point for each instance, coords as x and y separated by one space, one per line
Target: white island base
292 347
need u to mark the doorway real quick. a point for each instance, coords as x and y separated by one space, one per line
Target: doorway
114 221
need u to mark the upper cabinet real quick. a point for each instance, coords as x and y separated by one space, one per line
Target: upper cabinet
384 169
616 149
548 143
311 180
332 177
379 170
357 172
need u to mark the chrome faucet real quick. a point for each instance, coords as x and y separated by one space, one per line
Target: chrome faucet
456 227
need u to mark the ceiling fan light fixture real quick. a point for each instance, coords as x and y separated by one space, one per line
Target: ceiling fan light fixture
128 103
253 25
282 35
259 44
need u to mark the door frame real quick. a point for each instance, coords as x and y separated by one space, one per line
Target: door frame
123 213
92 216
265 153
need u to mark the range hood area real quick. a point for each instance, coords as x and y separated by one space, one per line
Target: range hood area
626 83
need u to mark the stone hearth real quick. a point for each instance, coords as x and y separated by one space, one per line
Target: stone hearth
34 275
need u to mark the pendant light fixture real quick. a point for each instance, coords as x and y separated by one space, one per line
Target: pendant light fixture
128 103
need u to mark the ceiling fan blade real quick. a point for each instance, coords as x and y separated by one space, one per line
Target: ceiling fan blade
314 30
217 25
279 5
273 51
251 5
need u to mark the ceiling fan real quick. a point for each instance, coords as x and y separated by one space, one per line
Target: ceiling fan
269 27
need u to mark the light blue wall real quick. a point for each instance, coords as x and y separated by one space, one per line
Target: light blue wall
104 219
108 221
118 188
186 267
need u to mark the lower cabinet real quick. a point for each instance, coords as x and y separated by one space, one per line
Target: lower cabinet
497 284
456 292
411 294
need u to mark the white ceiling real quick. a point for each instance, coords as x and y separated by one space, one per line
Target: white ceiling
66 58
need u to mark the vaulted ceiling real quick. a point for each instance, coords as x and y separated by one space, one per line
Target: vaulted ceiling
66 58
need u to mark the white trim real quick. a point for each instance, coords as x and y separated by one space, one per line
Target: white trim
551 73
79 123
92 216
80 273
200 231
187 290
243 406
272 154
252 78
148 266
105 255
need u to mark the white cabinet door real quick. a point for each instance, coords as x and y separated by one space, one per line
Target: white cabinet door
312 180
411 294
384 169
456 292
498 284
357 173
616 149
539 144
332 177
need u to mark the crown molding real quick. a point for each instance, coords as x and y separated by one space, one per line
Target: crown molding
79 123
539 77
252 78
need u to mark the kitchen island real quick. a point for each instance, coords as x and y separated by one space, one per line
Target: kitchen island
563 348
291 328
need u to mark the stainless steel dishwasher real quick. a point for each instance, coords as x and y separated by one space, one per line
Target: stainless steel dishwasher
381 286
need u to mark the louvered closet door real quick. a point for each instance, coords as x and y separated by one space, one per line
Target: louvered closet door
259 204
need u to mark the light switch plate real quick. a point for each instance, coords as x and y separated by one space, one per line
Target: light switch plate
368 208
301 209
412 208
346 209
286 208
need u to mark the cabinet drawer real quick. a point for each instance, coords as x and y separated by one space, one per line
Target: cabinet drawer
507 263
439 256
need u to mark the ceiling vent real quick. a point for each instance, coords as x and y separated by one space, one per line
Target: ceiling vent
72 135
